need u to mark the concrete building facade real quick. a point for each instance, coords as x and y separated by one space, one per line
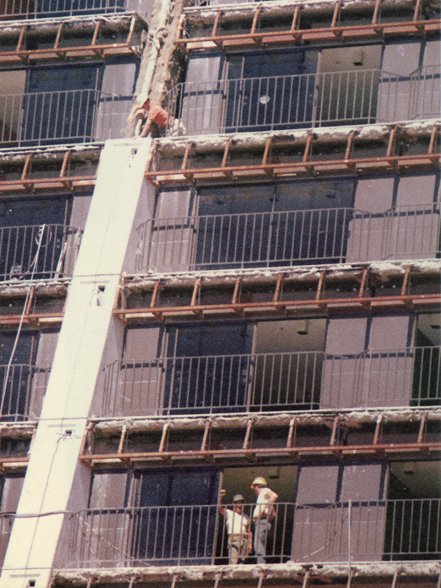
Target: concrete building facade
251 291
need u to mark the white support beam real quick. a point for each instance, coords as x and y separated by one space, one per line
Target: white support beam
54 475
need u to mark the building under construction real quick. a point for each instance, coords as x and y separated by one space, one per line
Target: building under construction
253 290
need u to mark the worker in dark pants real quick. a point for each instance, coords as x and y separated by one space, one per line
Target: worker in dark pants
157 119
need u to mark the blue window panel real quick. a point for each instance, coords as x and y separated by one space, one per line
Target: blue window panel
210 369
22 223
15 379
176 519
270 90
59 105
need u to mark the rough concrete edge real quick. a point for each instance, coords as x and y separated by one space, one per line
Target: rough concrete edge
57 152
204 15
140 282
285 571
47 289
176 145
80 21
349 417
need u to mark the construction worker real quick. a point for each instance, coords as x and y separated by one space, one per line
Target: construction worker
157 119
264 512
238 529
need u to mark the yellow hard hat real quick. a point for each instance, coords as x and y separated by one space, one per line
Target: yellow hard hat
259 481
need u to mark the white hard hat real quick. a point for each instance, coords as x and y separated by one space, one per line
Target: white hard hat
259 481
238 498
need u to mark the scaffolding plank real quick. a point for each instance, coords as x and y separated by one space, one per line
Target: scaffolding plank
294 169
295 34
58 51
388 450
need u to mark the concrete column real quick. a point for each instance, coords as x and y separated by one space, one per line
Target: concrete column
55 481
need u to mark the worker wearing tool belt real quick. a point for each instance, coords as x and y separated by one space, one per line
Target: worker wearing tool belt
264 513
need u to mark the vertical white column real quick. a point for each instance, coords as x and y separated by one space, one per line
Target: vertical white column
54 468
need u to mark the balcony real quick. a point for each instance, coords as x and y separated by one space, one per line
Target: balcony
302 101
29 9
71 116
272 382
287 238
22 390
425 92
391 530
38 251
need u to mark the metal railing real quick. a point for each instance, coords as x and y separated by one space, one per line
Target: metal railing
214 383
197 534
10 9
20 384
393 530
411 231
75 116
280 102
305 380
380 378
322 235
164 535
38 251
425 92
244 239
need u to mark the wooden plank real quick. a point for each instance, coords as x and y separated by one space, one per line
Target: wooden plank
295 20
364 31
58 38
422 429
27 166
349 145
335 16
155 295
257 38
376 13
65 164
327 167
21 39
247 438
278 288
129 40
216 22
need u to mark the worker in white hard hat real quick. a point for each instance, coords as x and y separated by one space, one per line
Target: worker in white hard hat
264 513
238 527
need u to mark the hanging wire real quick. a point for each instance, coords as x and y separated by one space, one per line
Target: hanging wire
33 268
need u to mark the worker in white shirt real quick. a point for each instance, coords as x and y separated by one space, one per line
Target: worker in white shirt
264 512
238 529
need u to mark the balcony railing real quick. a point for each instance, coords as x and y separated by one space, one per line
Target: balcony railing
253 239
22 387
70 116
284 102
272 381
16 9
425 92
196 534
38 251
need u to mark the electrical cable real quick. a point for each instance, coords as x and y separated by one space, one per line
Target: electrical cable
33 267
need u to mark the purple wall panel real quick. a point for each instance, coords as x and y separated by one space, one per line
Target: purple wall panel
379 375
387 379
323 513
135 389
171 249
345 342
